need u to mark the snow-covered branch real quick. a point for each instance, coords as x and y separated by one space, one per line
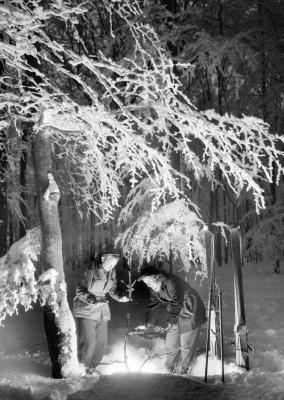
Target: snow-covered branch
18 284
171 230
122 119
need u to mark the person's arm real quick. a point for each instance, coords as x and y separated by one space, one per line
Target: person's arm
153 308
176 295
82 287
114 291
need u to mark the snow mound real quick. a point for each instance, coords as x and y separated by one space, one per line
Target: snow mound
214 368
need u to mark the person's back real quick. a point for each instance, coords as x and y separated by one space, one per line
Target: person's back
193 311
186 314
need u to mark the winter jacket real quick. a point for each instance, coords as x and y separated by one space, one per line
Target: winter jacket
185 307
95 281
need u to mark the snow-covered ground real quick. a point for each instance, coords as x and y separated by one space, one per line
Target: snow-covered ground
25 367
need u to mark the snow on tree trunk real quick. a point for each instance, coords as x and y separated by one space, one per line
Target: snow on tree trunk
59 323
3 214
3 197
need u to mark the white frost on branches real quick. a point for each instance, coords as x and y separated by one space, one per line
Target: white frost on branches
136 116
18 283
17 271
172 228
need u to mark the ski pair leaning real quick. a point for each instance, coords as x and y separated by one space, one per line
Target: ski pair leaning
215 316
214 311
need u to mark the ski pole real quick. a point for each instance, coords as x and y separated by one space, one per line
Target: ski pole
208 333
221 334
127 320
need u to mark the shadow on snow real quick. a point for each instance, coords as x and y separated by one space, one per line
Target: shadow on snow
148 387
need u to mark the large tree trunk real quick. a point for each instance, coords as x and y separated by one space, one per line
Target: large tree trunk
3 202
23 167
3 188
60 326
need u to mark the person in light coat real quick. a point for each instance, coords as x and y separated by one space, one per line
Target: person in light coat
186 314
91 308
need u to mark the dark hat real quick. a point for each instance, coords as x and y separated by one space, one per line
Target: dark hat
148 271
110 250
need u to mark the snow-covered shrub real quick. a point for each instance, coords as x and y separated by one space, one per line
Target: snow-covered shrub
18 282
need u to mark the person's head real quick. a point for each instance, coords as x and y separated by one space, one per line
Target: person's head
152 278
109 261
154 282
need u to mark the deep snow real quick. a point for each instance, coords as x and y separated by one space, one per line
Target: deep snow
25 364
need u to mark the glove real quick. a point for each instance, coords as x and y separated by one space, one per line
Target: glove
92 298
124 299
159 329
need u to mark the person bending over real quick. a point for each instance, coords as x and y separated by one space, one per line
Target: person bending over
185 315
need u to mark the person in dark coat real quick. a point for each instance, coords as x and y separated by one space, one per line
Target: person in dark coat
185 315
91 308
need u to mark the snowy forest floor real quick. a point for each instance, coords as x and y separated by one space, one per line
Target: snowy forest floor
25 366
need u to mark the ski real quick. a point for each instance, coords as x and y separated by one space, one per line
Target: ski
214 340
240 328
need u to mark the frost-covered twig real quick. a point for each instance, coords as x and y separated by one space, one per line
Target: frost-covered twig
171 228
125 118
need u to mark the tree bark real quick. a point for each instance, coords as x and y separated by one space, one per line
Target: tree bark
225 218
59 327
218 236
23 167
3 188
4 211
3 205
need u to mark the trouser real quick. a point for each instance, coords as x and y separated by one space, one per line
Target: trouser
182 348
92 341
